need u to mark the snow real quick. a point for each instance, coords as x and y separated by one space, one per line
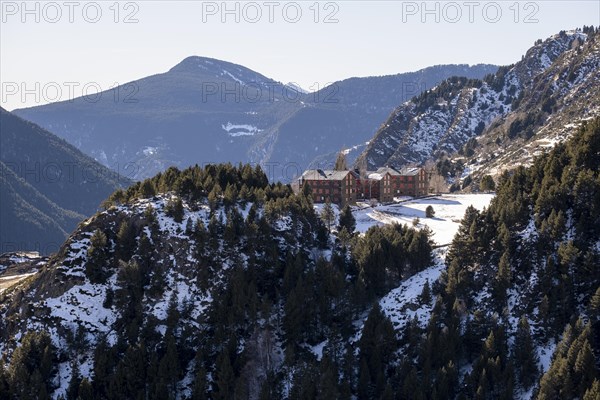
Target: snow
317 350
64 377
295 87
184 291
82 304
233 77
445 127
449 211
545 60
545 354
148 151
283 224
401 305
234 130
353 148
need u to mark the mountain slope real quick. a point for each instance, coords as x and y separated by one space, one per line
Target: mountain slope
442 121
47 186
559 100
29 219
205 110
197 292
209 293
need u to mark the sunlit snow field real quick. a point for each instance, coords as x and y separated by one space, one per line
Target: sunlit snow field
449 210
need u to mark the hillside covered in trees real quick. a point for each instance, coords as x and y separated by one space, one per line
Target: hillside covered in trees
211 283
202 282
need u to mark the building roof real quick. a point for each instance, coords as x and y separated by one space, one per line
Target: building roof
329 175
398 172
388 170
375 176
410 171
332 175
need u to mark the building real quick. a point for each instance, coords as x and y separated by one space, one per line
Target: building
403 182
369 187
340 187
346 187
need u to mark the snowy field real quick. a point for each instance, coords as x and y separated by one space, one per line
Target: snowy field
449 210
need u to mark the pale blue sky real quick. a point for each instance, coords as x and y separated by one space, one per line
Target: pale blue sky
369 38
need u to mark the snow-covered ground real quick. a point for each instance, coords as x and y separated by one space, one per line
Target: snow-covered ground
402 304
236 130
449 210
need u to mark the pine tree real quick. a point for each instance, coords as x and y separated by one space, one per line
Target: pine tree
328 215
230 195
200 385
544 312
306 191
85 391
425 296
487 184
168 369
294 318
95 267
429 212
73 388
525 356
593 393
458 280
388 392
225 378
126 242
411 388
328 385
595 305
585 367
174 209
4 393
214 196
151 221
377 345
147 189
365 385
32 367
340 162
503 279
347 220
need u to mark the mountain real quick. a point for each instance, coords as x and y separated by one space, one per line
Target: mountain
206 111
512 114
48 186
29 219
183 289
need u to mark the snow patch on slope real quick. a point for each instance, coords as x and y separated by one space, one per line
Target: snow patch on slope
236 130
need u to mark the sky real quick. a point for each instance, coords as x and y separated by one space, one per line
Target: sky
57 50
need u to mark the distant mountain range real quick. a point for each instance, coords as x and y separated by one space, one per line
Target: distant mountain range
205 111
502 121
46 186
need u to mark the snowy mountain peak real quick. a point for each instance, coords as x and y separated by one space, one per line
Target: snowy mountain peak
218 70
442 120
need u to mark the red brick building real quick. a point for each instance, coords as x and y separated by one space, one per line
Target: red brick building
339 186
346 187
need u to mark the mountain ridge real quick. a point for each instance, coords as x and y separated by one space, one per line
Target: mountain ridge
179 117
441 121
